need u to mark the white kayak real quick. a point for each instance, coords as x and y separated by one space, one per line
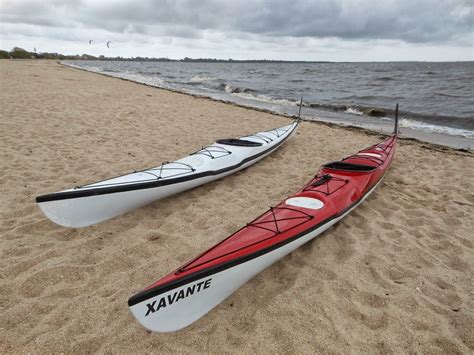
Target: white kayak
92 203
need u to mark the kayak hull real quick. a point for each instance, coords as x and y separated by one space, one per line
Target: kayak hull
94 203
173 302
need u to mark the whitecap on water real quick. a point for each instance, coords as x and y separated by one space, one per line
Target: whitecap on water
407 123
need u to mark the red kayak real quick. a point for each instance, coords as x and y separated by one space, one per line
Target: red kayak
188 293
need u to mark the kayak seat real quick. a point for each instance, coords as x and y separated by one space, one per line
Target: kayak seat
342 165
238 142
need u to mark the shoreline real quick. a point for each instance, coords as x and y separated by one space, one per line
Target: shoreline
450 141
392 276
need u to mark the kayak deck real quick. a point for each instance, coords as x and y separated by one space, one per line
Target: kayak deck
223 154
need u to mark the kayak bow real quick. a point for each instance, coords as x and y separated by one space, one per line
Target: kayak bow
89 204
188 293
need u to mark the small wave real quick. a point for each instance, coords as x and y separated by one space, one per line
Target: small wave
354 111
271 75
285 102
149 72
327 107
264 98
236 89
229 88
198 79
447 95
309 71
357 98
140 78
256 72
385 78
404 122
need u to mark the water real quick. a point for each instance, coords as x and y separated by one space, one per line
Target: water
435 98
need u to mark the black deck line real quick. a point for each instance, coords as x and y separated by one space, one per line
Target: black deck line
153 292
151 184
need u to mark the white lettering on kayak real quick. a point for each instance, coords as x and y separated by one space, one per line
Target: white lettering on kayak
177 296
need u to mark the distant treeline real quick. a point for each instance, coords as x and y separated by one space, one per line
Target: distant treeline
20 53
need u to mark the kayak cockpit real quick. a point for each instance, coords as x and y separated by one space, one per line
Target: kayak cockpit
238 142
345 166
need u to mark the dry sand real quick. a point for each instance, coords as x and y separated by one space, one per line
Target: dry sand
396 275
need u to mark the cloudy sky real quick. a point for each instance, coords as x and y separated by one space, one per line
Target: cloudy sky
336 30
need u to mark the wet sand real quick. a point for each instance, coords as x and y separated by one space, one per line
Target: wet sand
394 276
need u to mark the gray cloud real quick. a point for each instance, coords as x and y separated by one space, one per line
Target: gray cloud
410 21
52 13
358 30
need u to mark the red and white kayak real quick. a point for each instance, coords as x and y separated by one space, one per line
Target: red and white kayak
92 203
189 292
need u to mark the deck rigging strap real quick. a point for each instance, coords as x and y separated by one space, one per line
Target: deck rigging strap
305 217
275 220
263 137
213 151
156 172
260 136
277 134
322 184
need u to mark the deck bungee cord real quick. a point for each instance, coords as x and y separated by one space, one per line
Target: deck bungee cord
213 151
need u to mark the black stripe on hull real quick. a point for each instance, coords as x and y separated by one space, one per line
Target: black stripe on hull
152 184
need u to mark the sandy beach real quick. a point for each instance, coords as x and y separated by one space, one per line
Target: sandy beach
394 276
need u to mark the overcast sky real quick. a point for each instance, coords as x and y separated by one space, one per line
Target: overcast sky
336 30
